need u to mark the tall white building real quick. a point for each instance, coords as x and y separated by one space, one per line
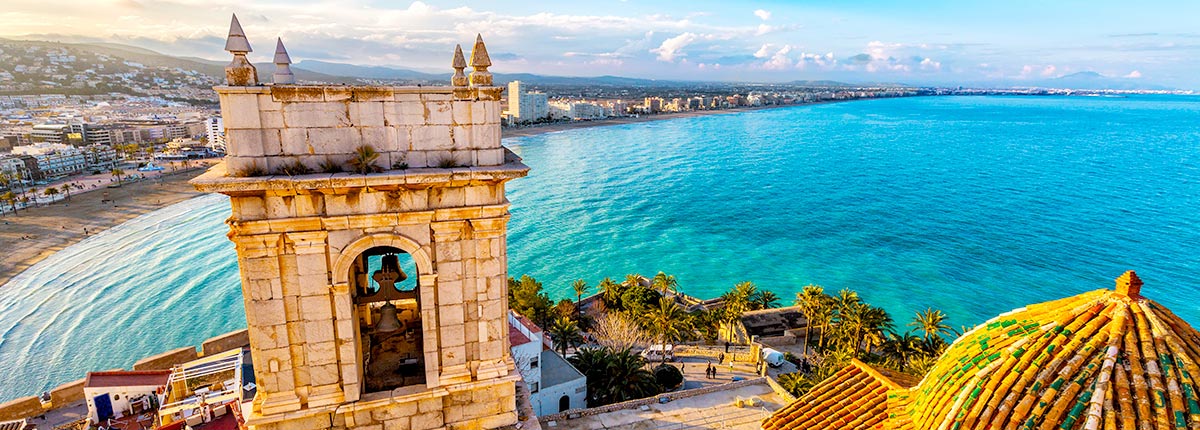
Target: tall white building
55 160
526 107
214 129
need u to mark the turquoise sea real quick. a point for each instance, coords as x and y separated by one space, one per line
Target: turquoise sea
974 205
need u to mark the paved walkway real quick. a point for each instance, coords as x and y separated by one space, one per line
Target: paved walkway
716 410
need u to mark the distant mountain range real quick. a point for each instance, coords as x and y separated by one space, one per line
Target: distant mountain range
322 71
1095 81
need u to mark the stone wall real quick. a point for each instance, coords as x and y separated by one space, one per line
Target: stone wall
67 393
671 396
226 342
167 359
275 126
24 407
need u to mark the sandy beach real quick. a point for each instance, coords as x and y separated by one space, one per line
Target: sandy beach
562 126
32 234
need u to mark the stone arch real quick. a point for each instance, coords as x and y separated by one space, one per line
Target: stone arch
341 267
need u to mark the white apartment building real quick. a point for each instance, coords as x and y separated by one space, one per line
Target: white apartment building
55 160
554 384
214 129
526 107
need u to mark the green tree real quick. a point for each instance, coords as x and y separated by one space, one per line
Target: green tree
764 299
610 293
809 299
931 322
664 283
117 173
614 375
580 287
50 192
901 348
668 322
10 198
525 296
66 188
565 334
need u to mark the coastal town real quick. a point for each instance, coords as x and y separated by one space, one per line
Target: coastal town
371 224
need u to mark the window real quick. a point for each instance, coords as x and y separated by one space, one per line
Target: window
533 387
533 363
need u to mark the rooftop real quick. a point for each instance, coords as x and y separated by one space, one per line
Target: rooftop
853 398
772 322
556 370
712 409
127 378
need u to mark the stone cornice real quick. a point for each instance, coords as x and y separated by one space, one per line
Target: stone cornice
217 180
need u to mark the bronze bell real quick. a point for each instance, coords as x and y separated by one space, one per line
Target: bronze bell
389 273
388 321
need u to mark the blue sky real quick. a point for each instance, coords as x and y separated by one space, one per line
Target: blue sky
919 42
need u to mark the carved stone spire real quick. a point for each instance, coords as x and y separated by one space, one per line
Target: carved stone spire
283 70
239 72
459 79
480 62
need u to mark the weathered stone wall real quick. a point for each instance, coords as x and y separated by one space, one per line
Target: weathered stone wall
226 342
24 407
167 359
272 127
67 393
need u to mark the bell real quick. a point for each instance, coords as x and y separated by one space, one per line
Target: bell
388 322
389 273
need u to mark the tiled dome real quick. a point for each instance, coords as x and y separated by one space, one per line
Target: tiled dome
1100 360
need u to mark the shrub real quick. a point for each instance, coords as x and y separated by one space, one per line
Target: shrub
330 166
447 163
251 171
295 168
668 376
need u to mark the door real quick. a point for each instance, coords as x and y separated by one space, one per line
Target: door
564 403
104 409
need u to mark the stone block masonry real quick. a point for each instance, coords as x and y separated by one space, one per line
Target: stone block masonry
270 128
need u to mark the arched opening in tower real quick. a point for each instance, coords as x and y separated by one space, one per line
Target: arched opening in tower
387 303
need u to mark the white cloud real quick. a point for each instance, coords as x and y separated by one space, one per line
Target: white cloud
764 51
929 64
1048 71
780 60
762 14
672 48
1134 74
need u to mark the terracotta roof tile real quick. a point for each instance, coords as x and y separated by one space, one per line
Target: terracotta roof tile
853 398
1100 360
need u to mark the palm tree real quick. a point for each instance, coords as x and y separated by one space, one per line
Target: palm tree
50 192
809 298
668 322
901 347
118 173
745 290
764 300
580 287
876 323
736 303
66 188
614 376
565 334
633 279
363 161
931 322
610 293
664 283
10 198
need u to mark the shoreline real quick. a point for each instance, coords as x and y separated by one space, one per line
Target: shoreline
38 232
534 130
32 234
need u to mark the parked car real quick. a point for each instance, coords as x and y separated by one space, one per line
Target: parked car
772 357
656 352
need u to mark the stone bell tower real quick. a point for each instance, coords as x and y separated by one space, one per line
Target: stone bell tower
370 228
